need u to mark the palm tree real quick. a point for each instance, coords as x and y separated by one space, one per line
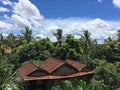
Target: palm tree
27 34
4 47
118 36
87 42
109 39
11 40
1 37
87 47
59 37
59 50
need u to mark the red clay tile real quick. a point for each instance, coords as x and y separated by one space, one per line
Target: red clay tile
50 65
26 69
75 64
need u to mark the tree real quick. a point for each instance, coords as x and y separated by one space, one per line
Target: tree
59 37
111 51
4 48
60 46
6 75
11 40
87 47
38 50
68 85
98 85
72 54
108 73
87 42
73 43
27 34
1 37
118 36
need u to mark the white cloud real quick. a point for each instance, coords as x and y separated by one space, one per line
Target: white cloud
100 1
26 10
2 9
6 16
99 29
116 3
6 2
5 26
4 35
25 13
20 22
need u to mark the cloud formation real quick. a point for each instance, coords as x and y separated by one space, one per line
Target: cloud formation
20 22
99 29
100 1
6 2
24 13
116 3
27 11
5 26
2 9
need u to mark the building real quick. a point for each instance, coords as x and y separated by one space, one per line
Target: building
50 72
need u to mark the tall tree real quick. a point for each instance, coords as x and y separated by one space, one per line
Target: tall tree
1 37
118 36
27 34
108 73
111 51
4 47
11 40
87 42
59 37
60 46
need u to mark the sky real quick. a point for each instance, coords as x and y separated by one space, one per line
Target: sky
100 17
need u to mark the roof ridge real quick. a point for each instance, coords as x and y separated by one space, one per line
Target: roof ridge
34 64
72 62
59 63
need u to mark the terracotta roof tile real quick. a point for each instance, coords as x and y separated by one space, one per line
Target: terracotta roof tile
75 64
51 64
26 69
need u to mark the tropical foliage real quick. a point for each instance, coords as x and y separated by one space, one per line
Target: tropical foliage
104 58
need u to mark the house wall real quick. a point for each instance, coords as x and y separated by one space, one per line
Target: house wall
36 85
65 70
41 84
38 73
48 84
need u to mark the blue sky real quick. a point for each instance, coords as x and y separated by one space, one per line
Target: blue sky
78 8
100 17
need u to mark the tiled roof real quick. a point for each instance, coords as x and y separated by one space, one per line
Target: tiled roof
51 64
75 64
26 69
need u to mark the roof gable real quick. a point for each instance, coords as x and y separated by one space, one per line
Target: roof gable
51 64
50 67
27 69
64 70
37 73
78 66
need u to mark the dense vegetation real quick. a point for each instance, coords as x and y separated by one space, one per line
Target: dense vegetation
104 58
